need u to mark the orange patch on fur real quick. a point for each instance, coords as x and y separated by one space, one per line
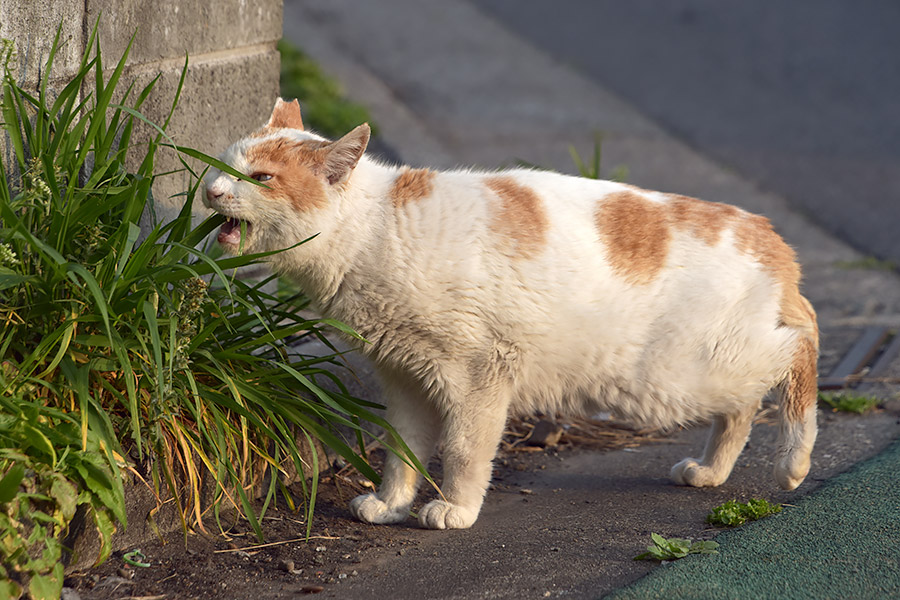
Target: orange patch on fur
520 218
754 235
411 185
798 313
293 166
704 220
801 385
636 234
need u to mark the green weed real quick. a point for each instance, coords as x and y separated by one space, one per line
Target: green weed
846 401
867 263
592 170
675 548
734 513
45 475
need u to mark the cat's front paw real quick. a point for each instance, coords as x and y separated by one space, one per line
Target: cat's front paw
371 509
690 472
439 514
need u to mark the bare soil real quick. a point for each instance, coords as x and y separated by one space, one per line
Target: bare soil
236 565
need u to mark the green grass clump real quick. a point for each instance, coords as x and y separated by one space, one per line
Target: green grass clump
675 548
592 169
867 263
846 401
325 109
139 350
588 170
734 513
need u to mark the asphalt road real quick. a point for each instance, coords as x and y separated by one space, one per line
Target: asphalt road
800 97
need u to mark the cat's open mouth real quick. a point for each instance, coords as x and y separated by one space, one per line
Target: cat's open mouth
230 231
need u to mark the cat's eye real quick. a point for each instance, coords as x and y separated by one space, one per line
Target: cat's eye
261 177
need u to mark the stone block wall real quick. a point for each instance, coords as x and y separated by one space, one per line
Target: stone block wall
232 78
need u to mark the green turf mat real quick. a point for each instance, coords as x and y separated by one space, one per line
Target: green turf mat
841 542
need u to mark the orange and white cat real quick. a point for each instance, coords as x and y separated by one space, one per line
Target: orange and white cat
485 294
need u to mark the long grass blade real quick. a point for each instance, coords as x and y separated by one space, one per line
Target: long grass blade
12 127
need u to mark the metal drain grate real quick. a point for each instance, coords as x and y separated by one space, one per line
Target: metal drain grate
868 359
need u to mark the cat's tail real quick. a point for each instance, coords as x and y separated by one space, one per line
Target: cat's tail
797 394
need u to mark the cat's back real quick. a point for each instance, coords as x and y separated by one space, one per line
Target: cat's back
529 220
512 218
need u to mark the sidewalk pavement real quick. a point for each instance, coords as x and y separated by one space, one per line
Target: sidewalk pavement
449 87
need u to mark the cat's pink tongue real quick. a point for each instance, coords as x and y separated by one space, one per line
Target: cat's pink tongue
230 232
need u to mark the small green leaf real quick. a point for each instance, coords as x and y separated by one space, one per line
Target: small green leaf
66 497
47 587
9 485
705 547
106 528
9 589
39 441
678 547
675 548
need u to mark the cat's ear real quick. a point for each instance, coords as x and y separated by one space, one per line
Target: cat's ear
341 156
286 114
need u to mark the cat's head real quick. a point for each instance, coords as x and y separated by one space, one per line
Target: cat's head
301 174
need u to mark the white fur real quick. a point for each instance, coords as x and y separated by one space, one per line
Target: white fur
465 333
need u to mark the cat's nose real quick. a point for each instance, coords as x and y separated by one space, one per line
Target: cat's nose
213 193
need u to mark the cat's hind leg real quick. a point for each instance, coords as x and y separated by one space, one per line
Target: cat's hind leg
797 394
727 439
797 415
416 421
